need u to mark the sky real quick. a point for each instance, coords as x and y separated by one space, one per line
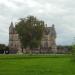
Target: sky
58 12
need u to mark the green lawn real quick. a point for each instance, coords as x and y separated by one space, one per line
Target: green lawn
36 65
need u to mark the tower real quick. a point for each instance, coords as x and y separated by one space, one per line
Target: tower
49 39
14 41
11 32
54 47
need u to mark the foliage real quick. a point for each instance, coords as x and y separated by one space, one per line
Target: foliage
2 47
67 48
30 31
73 52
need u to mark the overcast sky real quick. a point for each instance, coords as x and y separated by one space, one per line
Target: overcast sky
58 12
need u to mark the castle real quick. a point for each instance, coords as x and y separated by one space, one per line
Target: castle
48 43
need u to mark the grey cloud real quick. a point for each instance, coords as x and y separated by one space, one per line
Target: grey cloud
58 12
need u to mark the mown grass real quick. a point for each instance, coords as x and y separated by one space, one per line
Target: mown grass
36 65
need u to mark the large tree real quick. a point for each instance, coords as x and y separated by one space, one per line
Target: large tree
30 31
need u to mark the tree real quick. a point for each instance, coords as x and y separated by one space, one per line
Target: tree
73 50
30 31
3 48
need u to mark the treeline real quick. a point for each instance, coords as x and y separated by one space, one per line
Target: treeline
64 49
4 49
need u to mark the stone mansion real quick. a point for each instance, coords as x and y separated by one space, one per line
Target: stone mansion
48 42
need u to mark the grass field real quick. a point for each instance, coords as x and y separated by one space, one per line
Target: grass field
36 65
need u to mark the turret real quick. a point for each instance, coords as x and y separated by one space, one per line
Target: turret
53 26
53 31
54 47
11 28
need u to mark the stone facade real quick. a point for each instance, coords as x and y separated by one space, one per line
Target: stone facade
47 42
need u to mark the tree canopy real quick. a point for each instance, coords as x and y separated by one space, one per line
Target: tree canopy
30 31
